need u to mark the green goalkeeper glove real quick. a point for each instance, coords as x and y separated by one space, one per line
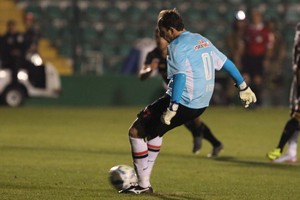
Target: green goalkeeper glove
169 113
246 95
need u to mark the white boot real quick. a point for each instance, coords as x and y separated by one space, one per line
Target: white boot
291 155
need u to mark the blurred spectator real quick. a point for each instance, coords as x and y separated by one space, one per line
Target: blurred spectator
235 41
12 49
32 34
259 43
135 60
274 68
235 44
31 41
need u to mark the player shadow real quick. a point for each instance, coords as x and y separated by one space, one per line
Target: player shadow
175 196
255 162
56 186
64 149
162 196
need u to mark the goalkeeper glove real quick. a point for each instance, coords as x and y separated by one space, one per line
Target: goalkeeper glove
169 113
246 94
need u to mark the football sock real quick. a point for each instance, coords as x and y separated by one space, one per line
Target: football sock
202 130
208 135
139 150
289 129
292 148
153 151
292 145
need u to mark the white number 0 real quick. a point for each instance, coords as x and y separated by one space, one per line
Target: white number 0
207 66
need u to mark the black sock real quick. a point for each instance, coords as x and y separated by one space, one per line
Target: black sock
208 135
202 130
289 129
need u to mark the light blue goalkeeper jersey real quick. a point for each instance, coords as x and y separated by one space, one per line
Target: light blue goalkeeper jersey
196 57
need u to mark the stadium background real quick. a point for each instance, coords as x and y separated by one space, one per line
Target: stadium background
89 41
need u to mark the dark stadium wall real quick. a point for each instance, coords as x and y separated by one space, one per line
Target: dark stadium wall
112 90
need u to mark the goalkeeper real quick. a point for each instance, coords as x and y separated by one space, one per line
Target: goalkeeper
192 60
291 130
156 60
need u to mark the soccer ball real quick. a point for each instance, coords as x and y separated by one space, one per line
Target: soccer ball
122 177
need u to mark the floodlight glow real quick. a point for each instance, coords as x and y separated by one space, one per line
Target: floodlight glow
240 15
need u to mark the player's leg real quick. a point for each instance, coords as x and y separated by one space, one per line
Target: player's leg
148 127
200 130
289 129
153 151
139 150
291 154
292 150
145 144
144 155
209 136
197 136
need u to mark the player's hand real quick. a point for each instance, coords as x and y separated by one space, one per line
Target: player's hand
145 73
246 95
169 114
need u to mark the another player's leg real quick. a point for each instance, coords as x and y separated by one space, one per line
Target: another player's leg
291 154
200 130
197 136
208 135
289 129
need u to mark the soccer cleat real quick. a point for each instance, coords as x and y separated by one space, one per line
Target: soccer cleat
197 145
215 151
137 190
276 153
286 158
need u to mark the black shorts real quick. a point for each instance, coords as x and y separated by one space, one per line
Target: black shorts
149 118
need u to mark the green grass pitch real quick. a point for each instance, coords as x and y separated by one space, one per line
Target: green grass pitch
60 153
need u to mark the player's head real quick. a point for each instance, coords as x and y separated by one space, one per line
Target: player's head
161 13
161 43
169 24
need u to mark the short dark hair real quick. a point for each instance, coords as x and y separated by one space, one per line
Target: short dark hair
171 19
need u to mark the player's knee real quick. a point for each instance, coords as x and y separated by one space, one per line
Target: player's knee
197 122
296 115
135 130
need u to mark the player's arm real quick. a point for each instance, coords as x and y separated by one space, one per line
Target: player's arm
176 72
246 94
177 90
146 71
